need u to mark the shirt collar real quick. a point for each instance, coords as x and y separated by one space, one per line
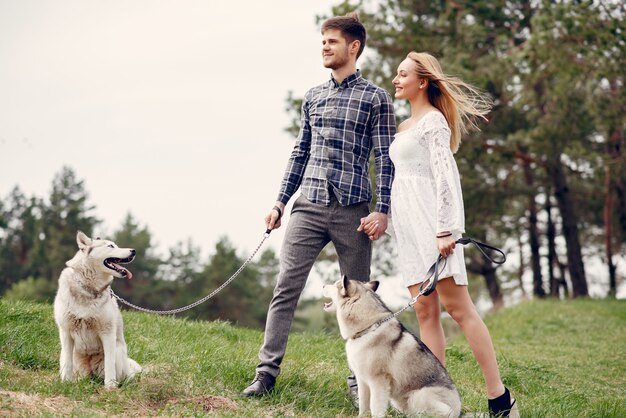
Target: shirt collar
349 81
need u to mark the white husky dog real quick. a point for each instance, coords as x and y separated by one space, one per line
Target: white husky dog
390 363
89 320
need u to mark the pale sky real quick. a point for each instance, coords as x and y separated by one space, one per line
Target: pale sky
171 110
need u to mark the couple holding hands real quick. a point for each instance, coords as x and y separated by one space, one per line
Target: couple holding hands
417 183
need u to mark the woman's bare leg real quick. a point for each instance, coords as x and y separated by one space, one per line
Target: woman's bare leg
457 301
428 315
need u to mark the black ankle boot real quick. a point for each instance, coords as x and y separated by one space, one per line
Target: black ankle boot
262 384
502 405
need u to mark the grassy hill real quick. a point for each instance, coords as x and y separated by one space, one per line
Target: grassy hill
560 359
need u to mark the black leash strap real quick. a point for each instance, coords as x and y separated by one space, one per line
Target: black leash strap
432 276
481 246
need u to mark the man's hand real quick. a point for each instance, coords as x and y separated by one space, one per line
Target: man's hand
273 219
374 225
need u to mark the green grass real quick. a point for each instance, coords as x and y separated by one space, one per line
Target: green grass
560 359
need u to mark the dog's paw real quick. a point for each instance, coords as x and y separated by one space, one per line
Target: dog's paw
134 367
67 376
111 384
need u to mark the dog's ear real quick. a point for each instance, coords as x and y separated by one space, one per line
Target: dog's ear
345 282
82 240
373 285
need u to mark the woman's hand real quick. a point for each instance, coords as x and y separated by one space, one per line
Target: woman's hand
374 225
446 244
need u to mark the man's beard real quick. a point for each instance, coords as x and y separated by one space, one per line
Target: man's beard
337 62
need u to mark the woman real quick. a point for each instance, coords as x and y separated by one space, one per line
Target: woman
427 209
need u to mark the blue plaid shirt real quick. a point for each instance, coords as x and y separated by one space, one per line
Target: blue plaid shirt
340 124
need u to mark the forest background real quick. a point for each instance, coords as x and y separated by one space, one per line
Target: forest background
545 179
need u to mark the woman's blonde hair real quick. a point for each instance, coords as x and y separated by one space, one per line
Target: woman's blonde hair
460 103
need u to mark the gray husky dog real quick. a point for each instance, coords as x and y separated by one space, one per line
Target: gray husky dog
390 363
89 321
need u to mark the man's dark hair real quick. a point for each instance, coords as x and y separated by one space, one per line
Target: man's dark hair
350 26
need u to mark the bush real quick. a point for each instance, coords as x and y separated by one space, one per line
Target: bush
31 289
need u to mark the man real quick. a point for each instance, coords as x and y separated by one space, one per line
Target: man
342 121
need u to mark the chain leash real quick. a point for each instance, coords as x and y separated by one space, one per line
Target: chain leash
204 299
426 288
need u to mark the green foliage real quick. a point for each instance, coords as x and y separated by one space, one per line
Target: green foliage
555 72
37 238
245 300
554 356
66 212
20 224
31 289
143 289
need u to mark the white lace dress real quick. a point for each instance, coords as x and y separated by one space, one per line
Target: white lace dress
426 198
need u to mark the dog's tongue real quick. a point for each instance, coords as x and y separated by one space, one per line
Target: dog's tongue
127 272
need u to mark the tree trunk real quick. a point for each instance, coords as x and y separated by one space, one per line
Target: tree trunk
485 268
613 190
533 230
620 191
552 256
522 267
616 144
608 229
562 280
492 284
570 227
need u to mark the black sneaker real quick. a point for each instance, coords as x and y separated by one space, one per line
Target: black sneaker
502 406
262 384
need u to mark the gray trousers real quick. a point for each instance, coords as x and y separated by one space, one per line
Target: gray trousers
311 227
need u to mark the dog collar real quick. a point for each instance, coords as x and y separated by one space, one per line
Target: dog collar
375 325
94 292
361 333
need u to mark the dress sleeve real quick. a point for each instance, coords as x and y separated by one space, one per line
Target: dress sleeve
450 216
